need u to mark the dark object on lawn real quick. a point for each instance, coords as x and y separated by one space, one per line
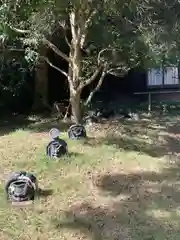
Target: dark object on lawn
132 116
57 147
135 116
105 114
127 115
77 131
21 186
89 120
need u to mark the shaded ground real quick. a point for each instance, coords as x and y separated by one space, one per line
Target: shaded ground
154 136
12 123
136 205
33 123
123 184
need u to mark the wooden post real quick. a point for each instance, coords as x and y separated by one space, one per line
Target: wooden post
149 103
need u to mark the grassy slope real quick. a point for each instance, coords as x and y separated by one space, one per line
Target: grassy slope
123 186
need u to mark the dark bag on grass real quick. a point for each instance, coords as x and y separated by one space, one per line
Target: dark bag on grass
21 186
56 148
77 131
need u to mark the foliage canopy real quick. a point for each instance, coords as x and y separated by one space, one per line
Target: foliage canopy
103 36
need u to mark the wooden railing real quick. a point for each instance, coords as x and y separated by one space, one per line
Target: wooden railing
150 93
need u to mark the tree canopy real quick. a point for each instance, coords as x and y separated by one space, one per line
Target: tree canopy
103 36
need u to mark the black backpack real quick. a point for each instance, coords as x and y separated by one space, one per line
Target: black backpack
77 131
21 186
56 148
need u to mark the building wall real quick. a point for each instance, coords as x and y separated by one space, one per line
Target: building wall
164 79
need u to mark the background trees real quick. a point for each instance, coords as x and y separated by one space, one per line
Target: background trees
102 36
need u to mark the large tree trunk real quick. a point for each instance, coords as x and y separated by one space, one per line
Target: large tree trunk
41 83
79 25
75 71
76 111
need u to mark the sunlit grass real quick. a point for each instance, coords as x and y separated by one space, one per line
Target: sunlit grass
136 201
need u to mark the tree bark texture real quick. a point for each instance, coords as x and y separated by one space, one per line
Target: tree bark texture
75 71
75 100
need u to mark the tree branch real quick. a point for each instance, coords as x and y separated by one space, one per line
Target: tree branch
66 39
92 78
64 28
83 34
96 88
53 66
72 19
56 50
102 51
21 31
12 50
122 73
90 16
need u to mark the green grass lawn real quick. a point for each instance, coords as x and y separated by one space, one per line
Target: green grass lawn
123 182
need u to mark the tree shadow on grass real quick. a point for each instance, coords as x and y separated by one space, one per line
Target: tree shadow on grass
133 145
151 137
137 206
87 227
116 184
174 129
130 145
12 123
36 124
140 206
45 126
